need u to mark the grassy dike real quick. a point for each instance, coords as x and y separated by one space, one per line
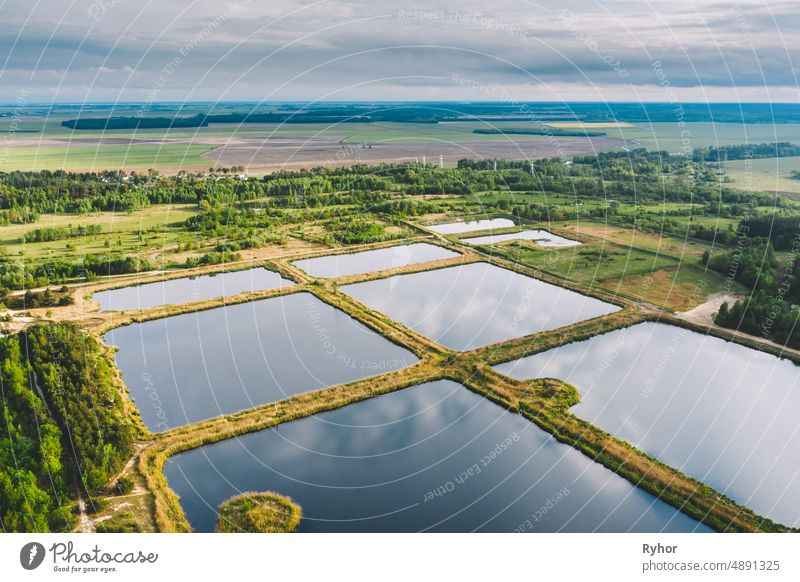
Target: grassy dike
544 402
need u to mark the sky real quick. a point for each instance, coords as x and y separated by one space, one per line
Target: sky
285 50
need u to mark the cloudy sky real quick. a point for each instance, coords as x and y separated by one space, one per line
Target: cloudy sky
616 50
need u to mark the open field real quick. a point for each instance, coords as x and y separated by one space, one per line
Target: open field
589 125
158 225
260 155
262 147
766 175
40 143
661 270
101 157
670 137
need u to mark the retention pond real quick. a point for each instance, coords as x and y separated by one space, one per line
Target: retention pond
189 289
195 366
718 411
468 306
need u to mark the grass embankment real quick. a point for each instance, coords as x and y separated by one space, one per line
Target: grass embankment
103 321
544 402
517 348
463 258
255 512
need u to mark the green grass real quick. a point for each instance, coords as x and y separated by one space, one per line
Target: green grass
661 270
266 512
103 157
121 230
768 174
668 136
591 263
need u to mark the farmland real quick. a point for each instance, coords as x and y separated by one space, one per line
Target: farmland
40 141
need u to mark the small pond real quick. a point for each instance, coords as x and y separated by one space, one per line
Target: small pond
189 289
376 260
195 366
471 226
468 306
540 237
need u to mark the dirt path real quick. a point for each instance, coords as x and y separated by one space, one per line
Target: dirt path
137 448
85 524
704 313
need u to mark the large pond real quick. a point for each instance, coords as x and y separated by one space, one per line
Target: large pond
471 226
199 365
189 289
433 457
542 238
468 306
720 412
377 260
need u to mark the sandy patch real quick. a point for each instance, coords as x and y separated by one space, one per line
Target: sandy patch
705 312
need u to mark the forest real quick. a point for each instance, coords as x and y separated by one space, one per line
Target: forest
770 309
65 429
746 152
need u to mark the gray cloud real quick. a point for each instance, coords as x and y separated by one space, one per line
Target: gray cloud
289 49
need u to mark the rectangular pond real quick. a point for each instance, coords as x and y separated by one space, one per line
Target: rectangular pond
189 289
471 226
468 306
720 412
542 238
200 365
376 260
434 457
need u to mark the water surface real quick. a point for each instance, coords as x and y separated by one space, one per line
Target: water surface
195 366
433 457
468 306
720 412
376 260
471 226
542 238
189 289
